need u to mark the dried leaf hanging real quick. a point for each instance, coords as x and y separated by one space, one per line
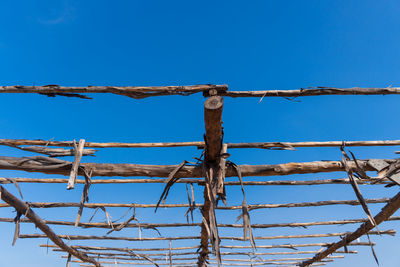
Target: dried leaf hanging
245 210
121 226
17 220
170 182
191 202
372 249
12 180
356 189
69 260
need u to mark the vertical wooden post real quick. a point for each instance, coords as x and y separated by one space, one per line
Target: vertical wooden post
75 165
213 107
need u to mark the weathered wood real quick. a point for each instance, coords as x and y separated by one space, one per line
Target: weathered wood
233 238
23 208
314 91
136 92
129 258
57 166
191 264
290 246
213 107
373 181
222 253
221 173
78 150
226 225
53 152
201 144
251 207
388 210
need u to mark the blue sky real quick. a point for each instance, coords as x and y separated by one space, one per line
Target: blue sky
249 46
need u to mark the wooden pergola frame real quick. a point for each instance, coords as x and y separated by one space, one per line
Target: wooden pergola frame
210 173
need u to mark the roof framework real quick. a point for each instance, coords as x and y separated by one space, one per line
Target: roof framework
210 172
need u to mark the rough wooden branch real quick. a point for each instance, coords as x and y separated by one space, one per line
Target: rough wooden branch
129 257
54 152
75 165
136 92
251 207
388 210
92 237
373 181
162 225
190 264
290 246
201 144
314 91
23 208
56 166
222 253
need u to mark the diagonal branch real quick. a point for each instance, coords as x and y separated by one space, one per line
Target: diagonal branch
23 208
391 207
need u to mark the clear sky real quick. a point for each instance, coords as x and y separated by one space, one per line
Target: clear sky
251 45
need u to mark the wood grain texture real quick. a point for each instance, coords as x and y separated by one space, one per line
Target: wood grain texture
56 166
136 92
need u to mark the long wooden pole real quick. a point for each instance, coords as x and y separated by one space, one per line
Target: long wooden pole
200 144
198 181
136 92
162 225
23 208
145 91
189 264
55 166
129 258
388 210
251 207
315 91
234 238
289 246
222 253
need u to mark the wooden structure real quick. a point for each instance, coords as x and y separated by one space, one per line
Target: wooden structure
210 172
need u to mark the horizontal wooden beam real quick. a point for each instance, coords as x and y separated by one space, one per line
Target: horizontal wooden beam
374 181
314 91
191 264
56 166
129 257
239 207
286 246
222 90
222 253
163 225
199 144
137 92
23 209
233 238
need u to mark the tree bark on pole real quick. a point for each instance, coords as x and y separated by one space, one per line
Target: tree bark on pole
56 166
23 208
213 107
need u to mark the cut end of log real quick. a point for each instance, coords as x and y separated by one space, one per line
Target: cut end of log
214 102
